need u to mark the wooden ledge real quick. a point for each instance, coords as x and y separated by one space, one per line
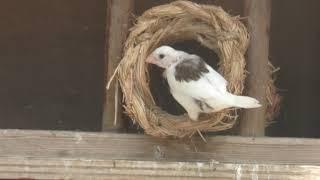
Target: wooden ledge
60 155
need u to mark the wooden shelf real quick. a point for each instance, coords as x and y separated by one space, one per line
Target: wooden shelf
60 155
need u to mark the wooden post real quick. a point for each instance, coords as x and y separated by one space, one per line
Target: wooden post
118 21
258 13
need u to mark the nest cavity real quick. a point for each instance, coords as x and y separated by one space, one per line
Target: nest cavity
179 21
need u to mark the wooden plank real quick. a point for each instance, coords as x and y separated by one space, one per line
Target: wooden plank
110 146
125 169
258 13
118 22
78 155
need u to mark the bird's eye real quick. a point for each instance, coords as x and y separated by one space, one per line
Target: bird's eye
161 56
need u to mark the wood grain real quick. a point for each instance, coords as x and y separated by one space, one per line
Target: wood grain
74 155
258 13
118 22
106 146
125 169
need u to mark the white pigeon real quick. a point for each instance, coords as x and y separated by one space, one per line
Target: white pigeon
196 86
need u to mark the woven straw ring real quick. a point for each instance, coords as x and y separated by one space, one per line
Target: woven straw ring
209 25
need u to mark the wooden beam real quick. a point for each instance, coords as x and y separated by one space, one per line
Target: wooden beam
114 146
118 22
74 155
22 168
258 13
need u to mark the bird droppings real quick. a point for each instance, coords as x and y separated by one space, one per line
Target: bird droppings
214 162
78 138
238 172
67 164
200 166
254 174
4 131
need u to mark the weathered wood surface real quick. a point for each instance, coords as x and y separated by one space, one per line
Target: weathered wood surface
124 169
258 13
60 155
118 22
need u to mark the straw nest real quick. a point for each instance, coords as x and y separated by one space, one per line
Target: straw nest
213 28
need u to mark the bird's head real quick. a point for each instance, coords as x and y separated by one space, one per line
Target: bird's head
163 56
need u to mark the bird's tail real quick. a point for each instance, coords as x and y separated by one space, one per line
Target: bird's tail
244 102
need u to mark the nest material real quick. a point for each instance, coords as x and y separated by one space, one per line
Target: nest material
178 21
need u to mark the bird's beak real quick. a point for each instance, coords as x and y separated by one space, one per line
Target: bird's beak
151 59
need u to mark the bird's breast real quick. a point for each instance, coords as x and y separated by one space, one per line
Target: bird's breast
169 73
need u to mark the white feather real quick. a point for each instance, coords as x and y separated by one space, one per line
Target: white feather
216 79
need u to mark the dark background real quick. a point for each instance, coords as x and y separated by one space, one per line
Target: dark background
52 63
294 47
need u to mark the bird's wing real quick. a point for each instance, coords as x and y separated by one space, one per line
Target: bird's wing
193 77
216 79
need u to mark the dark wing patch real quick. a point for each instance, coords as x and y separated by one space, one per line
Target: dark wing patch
190 69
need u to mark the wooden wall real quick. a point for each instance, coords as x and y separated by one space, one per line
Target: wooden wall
294 47
232 6
51 64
